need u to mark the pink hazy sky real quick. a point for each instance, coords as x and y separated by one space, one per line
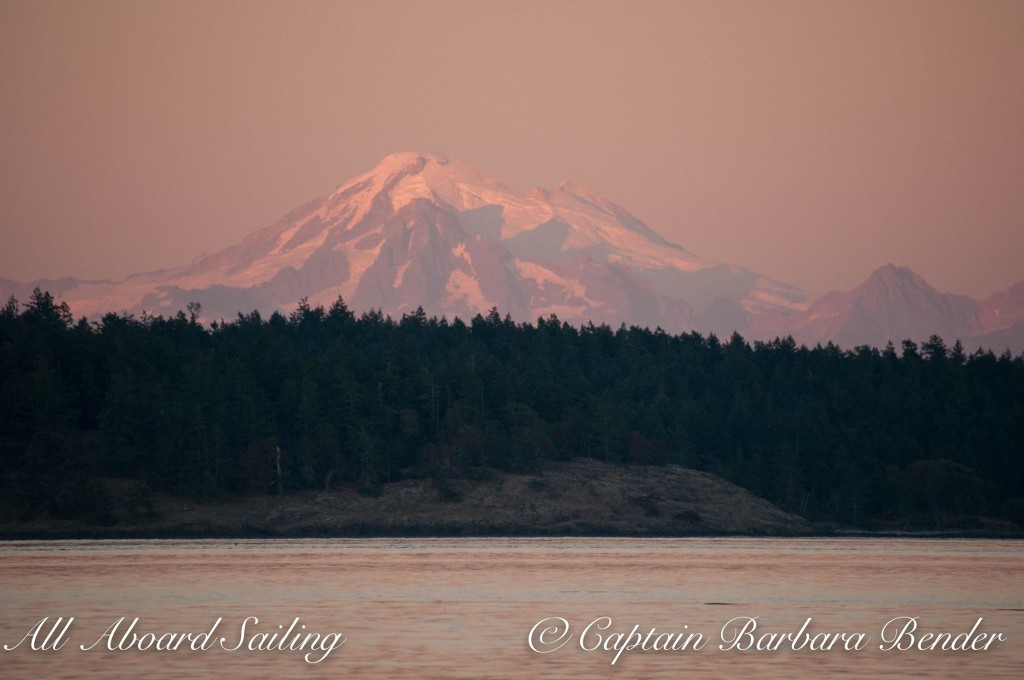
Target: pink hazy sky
807 141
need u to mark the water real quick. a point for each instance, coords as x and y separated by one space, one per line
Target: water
463 608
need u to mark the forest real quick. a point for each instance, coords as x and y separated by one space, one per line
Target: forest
917 435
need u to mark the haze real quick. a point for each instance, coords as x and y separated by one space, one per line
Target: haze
808 141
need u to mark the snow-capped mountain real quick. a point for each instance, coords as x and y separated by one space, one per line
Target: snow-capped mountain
424 230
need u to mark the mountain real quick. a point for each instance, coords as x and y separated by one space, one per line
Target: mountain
1004 310
894 304
424 230
1002 320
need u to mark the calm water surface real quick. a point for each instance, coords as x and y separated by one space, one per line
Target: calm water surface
463 608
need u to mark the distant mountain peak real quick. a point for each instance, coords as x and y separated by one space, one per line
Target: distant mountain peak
425 229
893 304
894 278
405 159
898 272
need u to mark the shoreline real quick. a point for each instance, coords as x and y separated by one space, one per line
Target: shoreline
582 498
7 536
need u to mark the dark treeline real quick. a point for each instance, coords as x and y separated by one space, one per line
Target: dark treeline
922 436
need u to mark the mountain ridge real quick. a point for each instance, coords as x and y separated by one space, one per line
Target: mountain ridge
894 303
425 230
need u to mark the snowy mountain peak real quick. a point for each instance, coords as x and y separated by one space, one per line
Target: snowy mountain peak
407 176
424 229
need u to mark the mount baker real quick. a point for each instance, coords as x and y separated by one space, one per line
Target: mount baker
423 230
